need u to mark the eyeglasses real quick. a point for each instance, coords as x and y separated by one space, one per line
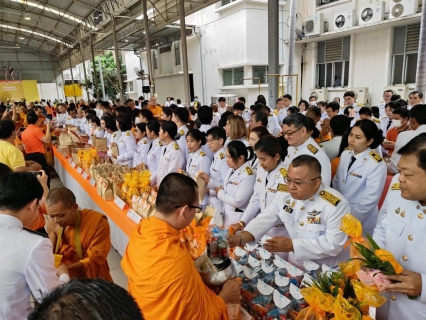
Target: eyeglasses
289 134
197 208
211 140
298 183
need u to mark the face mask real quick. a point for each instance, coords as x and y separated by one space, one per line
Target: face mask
397 123
138 120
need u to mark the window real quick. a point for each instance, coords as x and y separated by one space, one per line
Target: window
166 48
260 72
405 52
130 86
155 58
322 2
233 77
333 62
177 53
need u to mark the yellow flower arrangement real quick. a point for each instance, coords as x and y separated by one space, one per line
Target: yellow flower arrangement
387 256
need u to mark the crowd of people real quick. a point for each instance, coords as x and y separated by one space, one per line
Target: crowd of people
291 172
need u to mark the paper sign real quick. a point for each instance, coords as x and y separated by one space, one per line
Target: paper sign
69 160
310 265
92 182
120 203
253 262
249 273
73 164
133 216
79 170
280 300
264 288
280 280
240 252
265 255
292 270
295 292
85 175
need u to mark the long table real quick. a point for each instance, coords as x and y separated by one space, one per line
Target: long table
121 226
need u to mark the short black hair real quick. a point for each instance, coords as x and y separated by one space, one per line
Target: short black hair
175 190
404 113
111 124
365 110
197 135
416 92
124 121
221 99
147 114
287 96
242 99
315 111
91 112
308 161
4 169
182 114
298 120
417 147
88 299
339 124
236 149
18 189
32 118
349 94
261 99
205 114
419 113
333 106
178 101
392 105
293 109
167 111
271 146
96 120
7 127
224 117
239 106
261 117
154 126
217 133
376 111
170 127
256 107
141 126
370 130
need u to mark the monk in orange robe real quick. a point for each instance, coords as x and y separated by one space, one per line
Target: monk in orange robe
82 237
152 106
162 277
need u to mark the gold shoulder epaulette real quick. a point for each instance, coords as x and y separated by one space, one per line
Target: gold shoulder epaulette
312 149
176 146
249 171
327 196
221 155
375 156
283 172
282 187
127 133
395 186
202 154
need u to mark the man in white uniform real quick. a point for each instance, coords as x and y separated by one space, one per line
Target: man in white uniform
401 231
338 124
311 213
26 257
414 98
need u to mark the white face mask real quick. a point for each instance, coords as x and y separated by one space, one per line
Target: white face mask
138 120
397 123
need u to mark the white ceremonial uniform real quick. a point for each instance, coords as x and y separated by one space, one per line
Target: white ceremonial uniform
221 110
282 113
382 110
99 112
26 267
182 131
141 151
237 190
77 122
356 107
362 185
273 126
171 160
126 145
385 123
402 139
198 161
205 127
242 139
114 139
313 225
61 118
254 163
83 125
401 231
216 119
310 147
331 147
99 132
246 115
218 171
153 158
378 122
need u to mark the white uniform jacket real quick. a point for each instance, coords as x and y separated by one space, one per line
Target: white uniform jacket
153 158
218 171
281 114
141 151
254 163
83 125
26 266
126 146
61 119
313 225
310 147
401 231
362 185
273 126
171 160
198 161
242 139
182 131
237 190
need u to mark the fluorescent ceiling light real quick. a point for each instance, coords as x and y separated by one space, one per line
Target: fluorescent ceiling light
22 38
27 17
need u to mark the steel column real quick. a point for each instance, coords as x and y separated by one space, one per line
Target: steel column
94 68
84 70
72 76
117 60
148 46
184 53
421 58
273 51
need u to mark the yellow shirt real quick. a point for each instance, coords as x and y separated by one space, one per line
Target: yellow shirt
11 155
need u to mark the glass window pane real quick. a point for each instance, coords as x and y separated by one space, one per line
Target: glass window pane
398 63
329 76
337 81
346 48
321 76
399 35
411 68
321 52
346 76
227 77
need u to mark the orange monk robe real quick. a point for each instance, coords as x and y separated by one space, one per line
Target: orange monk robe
156 110
163 279
95 243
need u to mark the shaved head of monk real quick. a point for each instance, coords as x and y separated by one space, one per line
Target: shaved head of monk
62 206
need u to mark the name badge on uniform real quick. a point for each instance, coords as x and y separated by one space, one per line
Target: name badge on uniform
288 209
259 180
355 175
272 190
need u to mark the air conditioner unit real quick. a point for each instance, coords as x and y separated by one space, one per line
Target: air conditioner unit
402 90
320 94
361 96
314 25
372 13
402 8
344 20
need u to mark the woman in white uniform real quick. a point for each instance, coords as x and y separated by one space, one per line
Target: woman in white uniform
171 157
198 161
144 144
361 174
112 133
238 184
154 152
127 142
255 135
236 130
